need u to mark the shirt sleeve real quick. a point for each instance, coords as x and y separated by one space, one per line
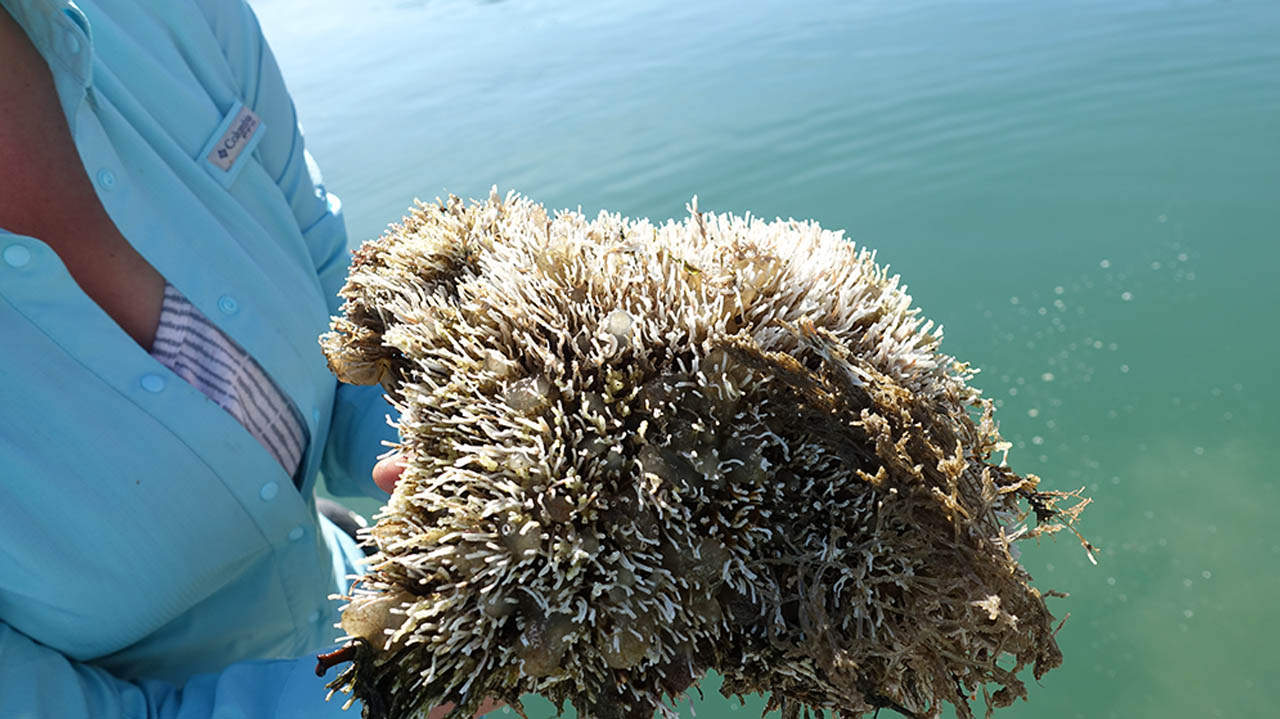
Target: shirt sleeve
36 681
358 428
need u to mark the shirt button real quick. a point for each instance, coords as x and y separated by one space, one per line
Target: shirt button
106 179
17 256
152 382
296 533
228 305
269 491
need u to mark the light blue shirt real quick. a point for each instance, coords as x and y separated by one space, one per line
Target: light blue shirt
155 559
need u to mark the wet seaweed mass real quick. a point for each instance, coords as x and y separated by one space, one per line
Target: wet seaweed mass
637 453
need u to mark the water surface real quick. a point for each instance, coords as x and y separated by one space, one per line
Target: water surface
1085 194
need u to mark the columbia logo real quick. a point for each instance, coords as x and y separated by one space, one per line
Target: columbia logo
238 133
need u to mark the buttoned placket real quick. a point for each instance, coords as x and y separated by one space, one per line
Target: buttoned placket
65 37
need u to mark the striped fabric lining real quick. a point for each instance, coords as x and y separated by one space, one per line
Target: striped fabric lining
197 351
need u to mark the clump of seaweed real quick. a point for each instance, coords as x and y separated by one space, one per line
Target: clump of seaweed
637 453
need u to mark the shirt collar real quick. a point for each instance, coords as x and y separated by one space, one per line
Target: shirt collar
61 33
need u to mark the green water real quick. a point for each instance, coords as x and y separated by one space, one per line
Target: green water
1086 195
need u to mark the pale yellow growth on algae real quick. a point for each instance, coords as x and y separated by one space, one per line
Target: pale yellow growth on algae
639 452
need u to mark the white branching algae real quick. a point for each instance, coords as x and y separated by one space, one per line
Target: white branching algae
638 453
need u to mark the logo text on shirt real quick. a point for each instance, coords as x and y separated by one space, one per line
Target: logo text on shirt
235 139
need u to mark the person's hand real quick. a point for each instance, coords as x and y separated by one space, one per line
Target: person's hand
387 472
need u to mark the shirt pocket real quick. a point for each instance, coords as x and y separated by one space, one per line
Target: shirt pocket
111 523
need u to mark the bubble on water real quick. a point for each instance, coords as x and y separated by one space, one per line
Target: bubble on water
1104 264
1033 413
1182 257
1111 581
1013 391
1124 368
1013 300
1155 265
1059 290
1206 574
1126 296
1042 311
1188 613
1037 439
1162 219
1198 450
1060 305
1186 583
1047 377
1097 344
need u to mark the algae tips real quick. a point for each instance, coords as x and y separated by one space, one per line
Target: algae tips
640 452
